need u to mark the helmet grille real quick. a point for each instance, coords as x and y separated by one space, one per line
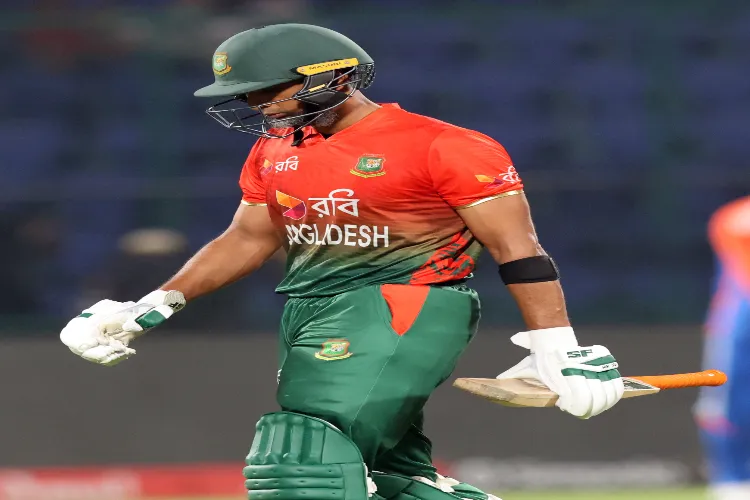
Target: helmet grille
364 74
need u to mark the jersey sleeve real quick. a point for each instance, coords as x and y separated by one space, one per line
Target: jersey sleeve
251 179
468 168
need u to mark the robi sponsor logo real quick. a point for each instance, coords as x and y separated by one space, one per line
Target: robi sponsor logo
297 208
290 163
339 203
510 175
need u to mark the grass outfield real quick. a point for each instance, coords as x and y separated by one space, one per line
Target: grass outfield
690 494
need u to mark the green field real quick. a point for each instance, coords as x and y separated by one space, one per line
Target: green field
690 494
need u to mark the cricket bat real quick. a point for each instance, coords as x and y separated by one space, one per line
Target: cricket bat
529 393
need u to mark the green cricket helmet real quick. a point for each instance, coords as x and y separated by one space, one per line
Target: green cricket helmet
283 53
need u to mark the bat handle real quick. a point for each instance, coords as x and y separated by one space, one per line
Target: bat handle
699 379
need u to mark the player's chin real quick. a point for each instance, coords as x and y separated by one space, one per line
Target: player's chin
284 121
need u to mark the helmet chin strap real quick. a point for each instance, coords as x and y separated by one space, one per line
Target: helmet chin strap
298 137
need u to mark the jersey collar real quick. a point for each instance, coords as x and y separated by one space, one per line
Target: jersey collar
315 137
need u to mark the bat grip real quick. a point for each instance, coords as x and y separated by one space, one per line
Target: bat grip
699 379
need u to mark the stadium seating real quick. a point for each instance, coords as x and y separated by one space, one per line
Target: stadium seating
597 122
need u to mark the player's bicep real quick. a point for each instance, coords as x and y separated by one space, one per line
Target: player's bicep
504 226
252 223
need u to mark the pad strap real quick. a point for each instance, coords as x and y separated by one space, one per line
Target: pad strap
395 487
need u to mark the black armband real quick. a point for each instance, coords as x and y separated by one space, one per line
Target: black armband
529 270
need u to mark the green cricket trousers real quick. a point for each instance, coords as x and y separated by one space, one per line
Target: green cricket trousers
367 360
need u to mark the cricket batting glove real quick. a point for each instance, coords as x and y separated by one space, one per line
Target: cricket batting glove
585 378
101 333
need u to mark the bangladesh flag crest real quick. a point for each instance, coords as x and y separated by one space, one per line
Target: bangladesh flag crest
220 64
334 349
369 166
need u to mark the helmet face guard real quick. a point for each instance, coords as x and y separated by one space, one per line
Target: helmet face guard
320 93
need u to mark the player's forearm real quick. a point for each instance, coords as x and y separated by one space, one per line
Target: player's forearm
542 305
225 260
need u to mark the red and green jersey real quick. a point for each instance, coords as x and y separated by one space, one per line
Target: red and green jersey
377 202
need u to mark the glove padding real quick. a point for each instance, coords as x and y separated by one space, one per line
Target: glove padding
585 378
88 335
101 333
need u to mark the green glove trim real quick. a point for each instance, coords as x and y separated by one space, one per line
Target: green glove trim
603 376
150 319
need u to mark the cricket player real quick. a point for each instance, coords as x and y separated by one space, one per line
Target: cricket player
383 214
723 413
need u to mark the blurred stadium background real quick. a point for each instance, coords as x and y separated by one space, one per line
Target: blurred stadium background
627 120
